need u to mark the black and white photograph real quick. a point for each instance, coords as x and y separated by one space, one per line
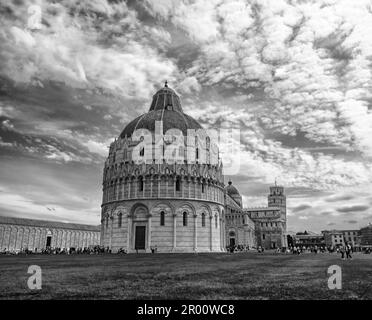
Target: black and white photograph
199 151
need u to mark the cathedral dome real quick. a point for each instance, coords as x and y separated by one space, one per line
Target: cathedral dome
165 107
231 190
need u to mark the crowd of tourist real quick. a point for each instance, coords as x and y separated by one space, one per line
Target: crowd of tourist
55 250
344 251
237 248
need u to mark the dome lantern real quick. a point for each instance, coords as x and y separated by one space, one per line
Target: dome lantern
166 99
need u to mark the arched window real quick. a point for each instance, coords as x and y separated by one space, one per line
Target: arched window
140 184
142 152
119 220
208 140
178 184
203 219
216 221
162 218
184 219
202 187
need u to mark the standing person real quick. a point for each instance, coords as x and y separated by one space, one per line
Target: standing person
342 250
348 251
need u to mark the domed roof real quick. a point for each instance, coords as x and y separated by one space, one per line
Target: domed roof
231 190
165 107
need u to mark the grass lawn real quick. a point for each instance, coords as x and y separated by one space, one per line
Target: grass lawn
186 276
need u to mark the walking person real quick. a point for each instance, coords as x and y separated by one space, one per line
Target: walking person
342 251
348 251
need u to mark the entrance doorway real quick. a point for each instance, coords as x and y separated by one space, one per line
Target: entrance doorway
232 242
49 241
273 245
140 238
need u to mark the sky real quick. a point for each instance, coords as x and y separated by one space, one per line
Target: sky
295 77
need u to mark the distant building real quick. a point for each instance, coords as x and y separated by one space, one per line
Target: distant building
271 221
308 239
35 235
336 238
351 237
366 235
333 238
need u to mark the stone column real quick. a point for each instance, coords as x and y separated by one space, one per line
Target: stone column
2 237
152 185
174 232
166 185
195 182
16 238
221 234
211 232
159 180
136 188
144 186
149 232
129 187
195 233
188 186
174 179
111 232
34 240
22 235
129 232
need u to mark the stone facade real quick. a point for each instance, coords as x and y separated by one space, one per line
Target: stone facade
240 229
147 204
179 206
35 235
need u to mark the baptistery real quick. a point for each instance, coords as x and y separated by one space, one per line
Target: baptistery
163 187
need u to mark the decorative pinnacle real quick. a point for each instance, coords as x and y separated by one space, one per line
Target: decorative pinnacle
166 84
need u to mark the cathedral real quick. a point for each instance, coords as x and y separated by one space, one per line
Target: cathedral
164 190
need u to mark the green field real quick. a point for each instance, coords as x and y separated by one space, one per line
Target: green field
186 276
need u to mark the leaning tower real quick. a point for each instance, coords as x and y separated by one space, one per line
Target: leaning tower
277 198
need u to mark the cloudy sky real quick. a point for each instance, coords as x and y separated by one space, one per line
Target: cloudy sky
294 76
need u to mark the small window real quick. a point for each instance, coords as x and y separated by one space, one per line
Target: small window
263 236
120 220
197 153
142 152
178 184
140 184
203 219
216 221
162 218
185 219
202 187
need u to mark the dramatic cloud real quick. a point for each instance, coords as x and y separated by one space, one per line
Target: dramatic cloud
293 76
353 208
301 207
